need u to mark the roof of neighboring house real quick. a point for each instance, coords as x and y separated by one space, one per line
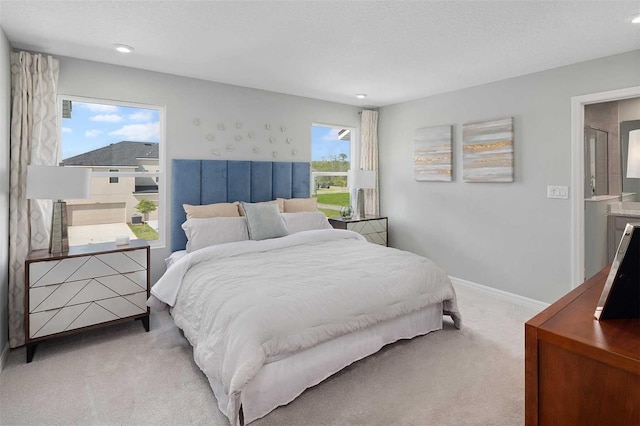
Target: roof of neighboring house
122 153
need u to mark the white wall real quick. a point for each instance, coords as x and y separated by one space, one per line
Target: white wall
508 236
189 99
5 108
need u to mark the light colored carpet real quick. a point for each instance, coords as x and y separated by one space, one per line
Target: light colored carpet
122 375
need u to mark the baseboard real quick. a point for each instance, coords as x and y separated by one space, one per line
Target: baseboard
4 355
505 295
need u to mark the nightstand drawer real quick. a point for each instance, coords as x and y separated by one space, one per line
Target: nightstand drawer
79 268
85 314
373 229
76 292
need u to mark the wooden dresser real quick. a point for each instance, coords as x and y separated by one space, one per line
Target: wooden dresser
579 371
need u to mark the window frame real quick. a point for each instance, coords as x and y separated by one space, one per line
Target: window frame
159 176
112 179
354 157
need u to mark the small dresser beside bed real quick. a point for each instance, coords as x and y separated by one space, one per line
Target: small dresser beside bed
272 299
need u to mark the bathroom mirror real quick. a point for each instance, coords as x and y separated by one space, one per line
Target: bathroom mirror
629 185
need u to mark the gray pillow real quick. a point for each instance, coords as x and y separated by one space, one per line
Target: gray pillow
264 221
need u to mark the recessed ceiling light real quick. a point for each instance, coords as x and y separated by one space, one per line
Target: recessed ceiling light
123 48
361 95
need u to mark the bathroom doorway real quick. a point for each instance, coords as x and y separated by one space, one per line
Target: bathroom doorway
579 168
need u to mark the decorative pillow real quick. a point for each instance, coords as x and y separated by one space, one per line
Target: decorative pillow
211 210
264 221
296 205
305 221
278 201
204 232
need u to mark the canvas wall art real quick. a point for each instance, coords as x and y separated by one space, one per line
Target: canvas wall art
487 150
432 154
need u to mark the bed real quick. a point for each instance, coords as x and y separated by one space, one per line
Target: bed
271 317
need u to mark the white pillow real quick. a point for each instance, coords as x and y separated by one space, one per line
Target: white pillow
305 221
204 232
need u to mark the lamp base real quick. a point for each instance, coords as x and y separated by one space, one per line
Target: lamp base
360 203
59 239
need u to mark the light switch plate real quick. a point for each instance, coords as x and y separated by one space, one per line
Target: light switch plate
557 192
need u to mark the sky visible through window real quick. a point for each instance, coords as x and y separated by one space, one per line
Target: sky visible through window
325 144
93 126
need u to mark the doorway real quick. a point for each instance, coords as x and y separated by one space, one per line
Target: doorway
578 172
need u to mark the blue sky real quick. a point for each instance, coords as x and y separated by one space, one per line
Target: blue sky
93 126
325 144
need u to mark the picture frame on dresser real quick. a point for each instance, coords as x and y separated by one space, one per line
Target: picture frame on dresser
87 287
620 297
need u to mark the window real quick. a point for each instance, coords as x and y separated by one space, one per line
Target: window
331 158
113 179
122 142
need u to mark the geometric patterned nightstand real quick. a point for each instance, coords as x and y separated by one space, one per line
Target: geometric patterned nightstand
374 229
87 287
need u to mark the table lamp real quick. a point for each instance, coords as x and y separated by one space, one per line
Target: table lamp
58 184
633 159
361 180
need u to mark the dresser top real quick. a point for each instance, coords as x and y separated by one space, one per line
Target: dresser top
570 322
87 249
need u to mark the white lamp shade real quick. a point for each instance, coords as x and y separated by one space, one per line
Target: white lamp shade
362 179
633 159
57 183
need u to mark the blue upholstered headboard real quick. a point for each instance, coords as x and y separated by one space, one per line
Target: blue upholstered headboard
198 182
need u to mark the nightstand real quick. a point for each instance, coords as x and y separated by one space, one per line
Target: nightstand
87 287
374 229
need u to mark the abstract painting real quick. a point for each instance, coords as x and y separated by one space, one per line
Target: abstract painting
432 154
487 150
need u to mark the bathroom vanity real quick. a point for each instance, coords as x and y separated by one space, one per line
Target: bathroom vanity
618 215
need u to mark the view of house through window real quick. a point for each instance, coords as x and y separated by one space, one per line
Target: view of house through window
120 144
330 162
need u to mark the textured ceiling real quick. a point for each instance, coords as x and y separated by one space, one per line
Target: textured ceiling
392 50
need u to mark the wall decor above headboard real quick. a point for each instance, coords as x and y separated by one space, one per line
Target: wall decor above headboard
199 182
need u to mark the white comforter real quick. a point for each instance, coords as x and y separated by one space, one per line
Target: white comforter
244 304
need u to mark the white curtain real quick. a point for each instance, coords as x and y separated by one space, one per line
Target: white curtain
369 158
34 140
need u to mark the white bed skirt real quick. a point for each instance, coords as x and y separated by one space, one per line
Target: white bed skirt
281 381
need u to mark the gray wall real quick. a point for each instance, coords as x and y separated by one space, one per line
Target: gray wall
187 99
507 236
5 108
